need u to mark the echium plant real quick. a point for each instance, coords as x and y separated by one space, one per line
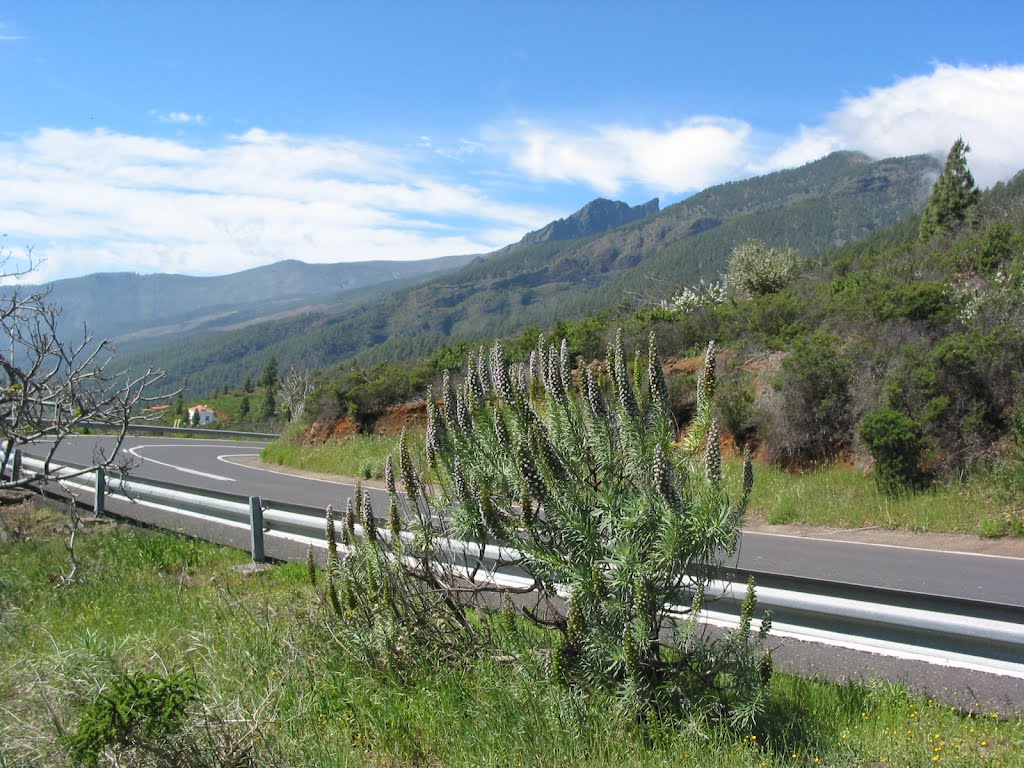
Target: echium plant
576 476
618 524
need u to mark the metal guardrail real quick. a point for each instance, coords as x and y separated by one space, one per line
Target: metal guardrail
190 431
954 631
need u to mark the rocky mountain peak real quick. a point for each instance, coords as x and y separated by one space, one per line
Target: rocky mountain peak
595 217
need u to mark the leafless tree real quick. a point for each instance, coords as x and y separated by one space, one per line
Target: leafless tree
294 389
50 387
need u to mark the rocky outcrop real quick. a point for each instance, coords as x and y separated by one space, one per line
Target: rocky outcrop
595 217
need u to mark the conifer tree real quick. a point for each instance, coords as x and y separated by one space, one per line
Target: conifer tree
952 196
268 407
268 378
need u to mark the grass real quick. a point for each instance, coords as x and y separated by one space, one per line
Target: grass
357 456
271 677
839 496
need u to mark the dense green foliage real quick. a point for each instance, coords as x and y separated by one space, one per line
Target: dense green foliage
143 711
894 440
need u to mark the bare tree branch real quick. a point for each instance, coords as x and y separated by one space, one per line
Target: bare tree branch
294 389
51 387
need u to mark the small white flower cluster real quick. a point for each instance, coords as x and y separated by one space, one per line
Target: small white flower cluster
1001 300
696 296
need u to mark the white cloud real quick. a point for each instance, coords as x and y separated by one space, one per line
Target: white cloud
100 200
678 159
920 114
181 118
184 117
927 113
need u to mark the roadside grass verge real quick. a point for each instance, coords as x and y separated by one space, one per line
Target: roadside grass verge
356 456
272 682
989 503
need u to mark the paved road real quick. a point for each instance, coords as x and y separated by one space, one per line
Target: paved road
215 465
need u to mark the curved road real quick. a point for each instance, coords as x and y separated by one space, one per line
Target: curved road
217 465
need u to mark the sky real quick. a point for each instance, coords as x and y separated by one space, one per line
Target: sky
210 137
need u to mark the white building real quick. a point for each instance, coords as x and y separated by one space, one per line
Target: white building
205 415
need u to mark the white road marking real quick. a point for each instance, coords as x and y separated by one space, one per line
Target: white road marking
209 475
875 544
225 458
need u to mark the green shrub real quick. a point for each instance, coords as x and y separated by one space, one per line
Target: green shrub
138 711
923 301
1017 425
734 406
895 442
986 251
585 482
814 419
775 320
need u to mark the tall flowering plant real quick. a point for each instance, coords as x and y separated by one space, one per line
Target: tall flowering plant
577 477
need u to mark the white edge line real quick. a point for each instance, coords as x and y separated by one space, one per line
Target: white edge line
875 544
226 459
208 475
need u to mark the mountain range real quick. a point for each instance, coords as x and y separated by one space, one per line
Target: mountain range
605 253
129 307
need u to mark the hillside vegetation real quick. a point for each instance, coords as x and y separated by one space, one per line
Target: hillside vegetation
904 352
814 208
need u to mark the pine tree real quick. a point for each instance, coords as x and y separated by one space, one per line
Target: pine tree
269 405
268 378
952 196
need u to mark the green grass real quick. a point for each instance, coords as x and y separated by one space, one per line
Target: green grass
357 456
265 662
839 496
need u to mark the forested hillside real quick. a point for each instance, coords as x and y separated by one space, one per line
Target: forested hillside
813 208
905 348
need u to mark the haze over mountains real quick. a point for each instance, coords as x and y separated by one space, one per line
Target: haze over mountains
213 332
127 306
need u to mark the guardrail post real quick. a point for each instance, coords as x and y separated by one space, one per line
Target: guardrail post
100 492
256 528
16 465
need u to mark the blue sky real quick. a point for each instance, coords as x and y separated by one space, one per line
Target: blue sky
209 137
